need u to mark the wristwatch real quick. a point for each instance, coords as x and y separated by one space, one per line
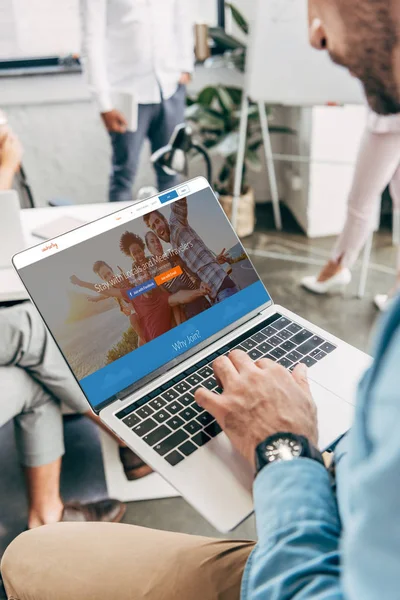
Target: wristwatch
285 446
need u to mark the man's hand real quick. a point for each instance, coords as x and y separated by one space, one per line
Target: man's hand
259 399
185 78
114 121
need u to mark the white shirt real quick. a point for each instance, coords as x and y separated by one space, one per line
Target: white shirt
136 46
383 124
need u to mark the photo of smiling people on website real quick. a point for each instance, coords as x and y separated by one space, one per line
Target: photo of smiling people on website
128 286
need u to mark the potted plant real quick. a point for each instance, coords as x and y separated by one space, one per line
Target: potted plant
215 115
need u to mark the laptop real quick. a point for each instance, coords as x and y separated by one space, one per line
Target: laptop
142 301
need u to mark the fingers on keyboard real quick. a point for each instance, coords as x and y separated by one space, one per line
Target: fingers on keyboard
175 426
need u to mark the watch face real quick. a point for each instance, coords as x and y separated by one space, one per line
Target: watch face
283 449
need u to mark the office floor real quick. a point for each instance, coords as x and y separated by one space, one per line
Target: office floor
352 320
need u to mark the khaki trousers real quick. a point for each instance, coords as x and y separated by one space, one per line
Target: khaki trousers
105 561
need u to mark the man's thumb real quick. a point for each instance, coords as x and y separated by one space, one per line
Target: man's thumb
300 374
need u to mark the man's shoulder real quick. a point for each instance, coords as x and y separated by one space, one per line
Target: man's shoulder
378 393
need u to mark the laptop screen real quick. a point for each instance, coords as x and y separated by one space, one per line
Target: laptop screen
124 302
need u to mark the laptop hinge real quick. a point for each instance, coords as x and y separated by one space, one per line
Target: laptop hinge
124 394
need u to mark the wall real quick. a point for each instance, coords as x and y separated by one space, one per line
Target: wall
66 150
67 154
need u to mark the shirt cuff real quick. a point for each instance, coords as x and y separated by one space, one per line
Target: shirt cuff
103 101
187 64
290 491
187 69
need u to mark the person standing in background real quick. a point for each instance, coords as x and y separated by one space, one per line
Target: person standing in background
378 165
139 53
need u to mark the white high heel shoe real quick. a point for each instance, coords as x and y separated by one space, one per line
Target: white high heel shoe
382 302
335 284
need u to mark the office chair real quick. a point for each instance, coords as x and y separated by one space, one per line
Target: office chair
173 158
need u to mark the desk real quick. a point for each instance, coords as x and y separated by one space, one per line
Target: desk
11 288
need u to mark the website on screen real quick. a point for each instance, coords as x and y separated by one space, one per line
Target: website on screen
129 300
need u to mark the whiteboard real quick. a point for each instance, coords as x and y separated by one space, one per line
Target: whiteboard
282 68
33 28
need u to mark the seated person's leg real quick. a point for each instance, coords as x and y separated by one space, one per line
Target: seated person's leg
103 561
39 436
26 343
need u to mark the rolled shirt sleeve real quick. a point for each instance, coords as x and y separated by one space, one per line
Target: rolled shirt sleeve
303 553
298 525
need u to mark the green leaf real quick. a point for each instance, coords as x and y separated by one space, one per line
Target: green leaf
253 161
190 100
209 143
206 96
214 113
238 59
252 112
239 19
193 111
224 99
235 94
210 122
207 118
228 145
225 172
254 146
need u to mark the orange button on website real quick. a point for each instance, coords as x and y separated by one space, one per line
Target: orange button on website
168 275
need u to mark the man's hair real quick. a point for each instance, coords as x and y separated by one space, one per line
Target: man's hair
98 265
127 239
146 218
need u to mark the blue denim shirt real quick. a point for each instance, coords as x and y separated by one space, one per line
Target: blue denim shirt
318 542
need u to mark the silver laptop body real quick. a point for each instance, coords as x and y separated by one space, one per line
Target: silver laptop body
146 394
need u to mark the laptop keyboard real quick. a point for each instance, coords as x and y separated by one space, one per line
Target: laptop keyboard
171 422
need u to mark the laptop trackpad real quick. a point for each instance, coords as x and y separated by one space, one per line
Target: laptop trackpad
335 415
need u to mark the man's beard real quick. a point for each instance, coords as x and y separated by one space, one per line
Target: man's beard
379 83
370 55
380 89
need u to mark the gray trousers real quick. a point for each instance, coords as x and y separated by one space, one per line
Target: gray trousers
155 122
34 380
